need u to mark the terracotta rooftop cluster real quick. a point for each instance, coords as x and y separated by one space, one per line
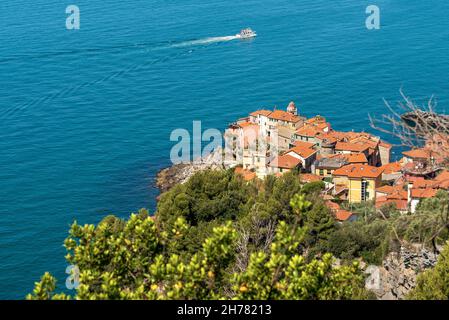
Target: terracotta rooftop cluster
277 115
420 176
354 165
292 157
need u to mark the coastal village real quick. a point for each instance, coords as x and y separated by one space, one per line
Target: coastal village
354 166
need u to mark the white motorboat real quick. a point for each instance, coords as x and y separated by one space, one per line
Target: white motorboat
246 34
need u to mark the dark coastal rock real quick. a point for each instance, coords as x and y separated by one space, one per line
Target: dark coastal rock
422 120
169 177
180 173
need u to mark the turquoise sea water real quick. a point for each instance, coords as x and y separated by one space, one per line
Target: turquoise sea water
85 116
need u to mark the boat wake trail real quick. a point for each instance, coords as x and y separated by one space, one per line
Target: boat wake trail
204 41
144 47
67 91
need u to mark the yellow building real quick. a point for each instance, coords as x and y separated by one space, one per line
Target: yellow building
326 165
360 181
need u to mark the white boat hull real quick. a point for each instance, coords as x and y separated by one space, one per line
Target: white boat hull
239 36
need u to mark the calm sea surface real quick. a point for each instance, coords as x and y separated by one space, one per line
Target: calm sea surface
85 116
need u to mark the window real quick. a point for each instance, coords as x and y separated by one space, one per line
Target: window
364 194
321 172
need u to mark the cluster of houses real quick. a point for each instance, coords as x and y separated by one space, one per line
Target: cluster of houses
355 166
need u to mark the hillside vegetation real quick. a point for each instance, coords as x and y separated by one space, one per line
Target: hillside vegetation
220 237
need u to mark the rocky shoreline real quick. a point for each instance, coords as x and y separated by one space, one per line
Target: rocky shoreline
179 173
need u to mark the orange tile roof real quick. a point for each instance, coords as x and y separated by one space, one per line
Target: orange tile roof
336 156
340 214
327 137
443 180
285 161
323 126
303 152
332 205
332 136
417 154
443 184
358 171
284 116
399 204
413 179
303 144
353 147
423 184
398 195
265 113
385 189
423 193
440 182
356 135
309 177
338 135
308 131
246 174
316 119
357 158
393 192
343 215
443 176
393 167
246 124
362 140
